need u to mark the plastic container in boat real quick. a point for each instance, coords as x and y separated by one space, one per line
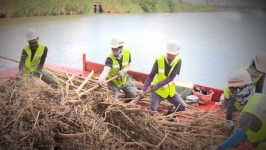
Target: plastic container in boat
204 99
192 100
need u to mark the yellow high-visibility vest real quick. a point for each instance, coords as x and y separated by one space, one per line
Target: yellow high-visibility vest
116 68
168 89
31 66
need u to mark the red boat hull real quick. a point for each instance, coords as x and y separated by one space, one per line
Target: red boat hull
139 76
89 66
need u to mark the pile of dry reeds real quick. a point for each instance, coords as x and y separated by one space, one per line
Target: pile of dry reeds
80 115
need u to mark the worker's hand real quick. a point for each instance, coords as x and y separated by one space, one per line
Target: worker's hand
141 93
121 74
100 83
244 145
21 72
154 88
215 148
228 125
36 72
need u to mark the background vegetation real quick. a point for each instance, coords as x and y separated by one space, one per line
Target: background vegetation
139 6
21 8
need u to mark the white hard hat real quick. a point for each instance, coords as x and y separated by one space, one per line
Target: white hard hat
31 34
260 62
116 42
239 78
173 47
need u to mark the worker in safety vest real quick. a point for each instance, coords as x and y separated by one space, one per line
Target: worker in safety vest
161 79
118 63
252 120
257 70
33 58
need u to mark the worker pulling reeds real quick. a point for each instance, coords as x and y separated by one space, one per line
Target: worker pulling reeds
252 120
164 70
118 63
33 58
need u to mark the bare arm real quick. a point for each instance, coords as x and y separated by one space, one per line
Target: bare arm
43 59
23 57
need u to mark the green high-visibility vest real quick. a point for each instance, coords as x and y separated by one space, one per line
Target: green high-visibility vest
116 68
168 89
256 106
31 66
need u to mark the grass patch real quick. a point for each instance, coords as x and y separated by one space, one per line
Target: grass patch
18 8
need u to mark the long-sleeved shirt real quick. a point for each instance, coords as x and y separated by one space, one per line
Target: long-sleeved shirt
247 121
154 71
24 55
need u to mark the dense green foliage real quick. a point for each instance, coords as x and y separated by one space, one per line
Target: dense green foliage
20 8
139 6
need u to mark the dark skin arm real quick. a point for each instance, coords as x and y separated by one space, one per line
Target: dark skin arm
43 59
23 57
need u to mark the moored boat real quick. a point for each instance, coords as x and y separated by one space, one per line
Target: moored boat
183 88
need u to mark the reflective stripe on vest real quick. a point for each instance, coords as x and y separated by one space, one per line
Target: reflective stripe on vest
31 66
168 89
255 81
116 68
256 106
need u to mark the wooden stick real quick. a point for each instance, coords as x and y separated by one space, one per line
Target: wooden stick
95 87
16 76
67 75
70 79
75 102
6 77
66 83
61 135
85 81
36 120
9 59
78 78
162 141
175 124
40 78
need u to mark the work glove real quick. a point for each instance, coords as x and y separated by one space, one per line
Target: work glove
100 83
154 88
228 125
36 72
121 74
141 93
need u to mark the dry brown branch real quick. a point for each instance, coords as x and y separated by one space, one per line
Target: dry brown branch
95 87
61 135
32 116
85 81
